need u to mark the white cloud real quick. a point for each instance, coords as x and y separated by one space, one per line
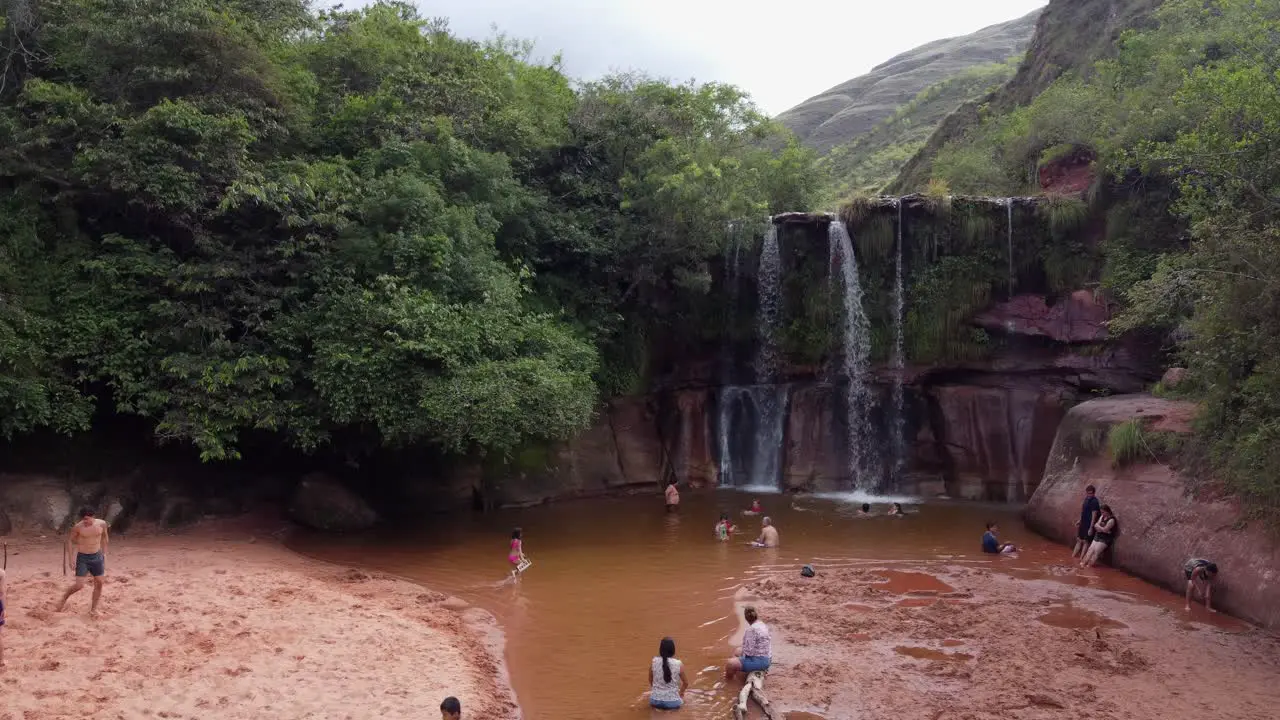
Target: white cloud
781 53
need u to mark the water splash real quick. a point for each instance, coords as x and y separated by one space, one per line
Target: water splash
899 359
768 280
857 352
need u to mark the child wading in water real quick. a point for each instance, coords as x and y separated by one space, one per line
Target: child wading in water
724 529
516 554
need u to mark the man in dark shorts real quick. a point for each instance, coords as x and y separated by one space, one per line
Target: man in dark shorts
87 555
1200 576
1089 512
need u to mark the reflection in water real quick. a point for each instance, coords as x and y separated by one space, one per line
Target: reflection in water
612 577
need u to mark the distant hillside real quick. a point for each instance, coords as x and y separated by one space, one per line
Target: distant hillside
1069 35
846 111
873 159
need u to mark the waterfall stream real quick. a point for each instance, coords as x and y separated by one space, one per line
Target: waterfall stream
752 420
857 352
899 359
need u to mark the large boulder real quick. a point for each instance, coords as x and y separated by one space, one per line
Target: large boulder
322 503
1161 523
35 502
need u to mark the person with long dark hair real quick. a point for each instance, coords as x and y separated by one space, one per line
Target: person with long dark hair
667 681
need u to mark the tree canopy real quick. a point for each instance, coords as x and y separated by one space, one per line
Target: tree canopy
232 216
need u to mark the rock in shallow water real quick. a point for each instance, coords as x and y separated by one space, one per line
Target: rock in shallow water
322 503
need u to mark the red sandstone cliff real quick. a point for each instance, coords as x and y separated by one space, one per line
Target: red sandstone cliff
1161 525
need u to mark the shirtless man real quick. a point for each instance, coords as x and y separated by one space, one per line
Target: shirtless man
89 540
768 534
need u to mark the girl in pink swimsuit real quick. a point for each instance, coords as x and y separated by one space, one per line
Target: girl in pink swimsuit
516 553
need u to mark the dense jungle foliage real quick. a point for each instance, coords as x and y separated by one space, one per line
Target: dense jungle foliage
1191 105
236 216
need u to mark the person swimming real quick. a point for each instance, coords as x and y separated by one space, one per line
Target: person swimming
755 508
896 510
865 510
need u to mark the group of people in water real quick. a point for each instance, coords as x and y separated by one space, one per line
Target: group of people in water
1096 531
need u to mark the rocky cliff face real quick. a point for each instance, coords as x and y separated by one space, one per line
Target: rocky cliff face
1160 523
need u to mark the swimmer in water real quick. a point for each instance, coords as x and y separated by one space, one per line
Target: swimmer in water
515 555
865 510
672 497
724 529
896 510
755 508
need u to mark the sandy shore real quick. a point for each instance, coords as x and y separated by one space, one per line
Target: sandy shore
974 643
222 621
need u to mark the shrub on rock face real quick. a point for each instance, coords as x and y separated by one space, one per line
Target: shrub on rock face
322 503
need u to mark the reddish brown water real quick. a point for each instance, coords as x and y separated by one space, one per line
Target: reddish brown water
610 578
921 653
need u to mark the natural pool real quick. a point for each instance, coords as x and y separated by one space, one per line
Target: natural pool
612 577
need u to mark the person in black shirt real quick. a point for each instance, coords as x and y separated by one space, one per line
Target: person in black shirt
1104 533
1089 512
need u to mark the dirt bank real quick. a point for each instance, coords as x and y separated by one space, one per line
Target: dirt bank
997 642
212 623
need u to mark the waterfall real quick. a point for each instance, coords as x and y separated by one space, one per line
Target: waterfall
752 420
767 284
899 359
750 436
857 351
1008 206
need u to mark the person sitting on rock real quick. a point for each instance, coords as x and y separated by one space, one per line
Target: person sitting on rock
768 534
991 544
756 653
451 709
1104 532
1200 576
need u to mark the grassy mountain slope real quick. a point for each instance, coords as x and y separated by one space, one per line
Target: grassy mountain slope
873 159
1070 35
852 108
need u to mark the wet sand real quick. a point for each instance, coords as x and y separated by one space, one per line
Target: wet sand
1052 643
211 624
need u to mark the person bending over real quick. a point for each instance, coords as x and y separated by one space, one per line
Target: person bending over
667 681
756 654
992 544
1200 576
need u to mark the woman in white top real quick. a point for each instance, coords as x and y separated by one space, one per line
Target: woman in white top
667 682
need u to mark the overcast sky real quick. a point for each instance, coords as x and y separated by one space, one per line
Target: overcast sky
780 52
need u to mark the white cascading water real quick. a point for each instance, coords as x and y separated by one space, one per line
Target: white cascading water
752 420
857 352
1008 206
768 286
899 359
